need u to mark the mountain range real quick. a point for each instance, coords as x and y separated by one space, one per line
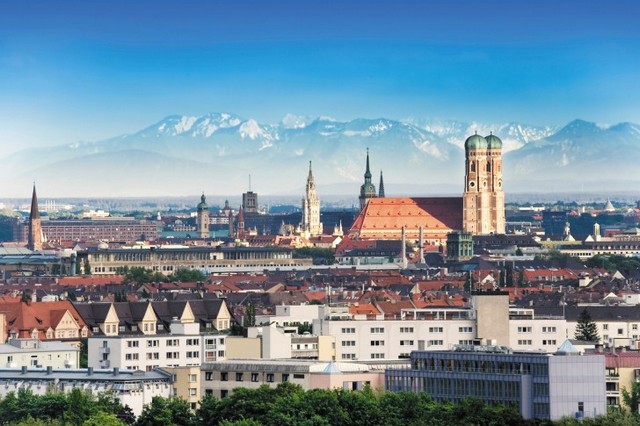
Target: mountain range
218 152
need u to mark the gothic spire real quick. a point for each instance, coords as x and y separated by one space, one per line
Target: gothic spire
367 173
35 212
381 187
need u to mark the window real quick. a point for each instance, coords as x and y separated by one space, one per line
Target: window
224 376
524 329
192 354
605 326
285 377
620 332
208 375
406 329
224 393
348 343
298 376
377 329
152 343
377 356
270 377
348 330
550 342
436 342
173 342
634 326
193 378
132 343
254 377
465 329
436 329
239 377
193 342
524 342
406 342
548 329
348 356
377 343
193 392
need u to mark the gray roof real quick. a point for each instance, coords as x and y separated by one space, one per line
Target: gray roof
82 374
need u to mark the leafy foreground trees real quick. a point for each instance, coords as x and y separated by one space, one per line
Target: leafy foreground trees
287 404
77 408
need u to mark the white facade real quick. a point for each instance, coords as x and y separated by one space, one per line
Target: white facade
291 315
132 388
184 347
34 353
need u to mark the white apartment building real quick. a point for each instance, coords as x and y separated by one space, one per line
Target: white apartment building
133 388
184 346
34 353
291 315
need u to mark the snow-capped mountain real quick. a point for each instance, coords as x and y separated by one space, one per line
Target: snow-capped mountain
182 155
513 135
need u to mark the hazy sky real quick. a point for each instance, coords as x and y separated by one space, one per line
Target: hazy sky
88 70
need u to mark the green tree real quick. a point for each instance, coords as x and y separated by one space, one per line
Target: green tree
586 329
187 275
84 353
103 419
80 407
87 267
165 412
632 398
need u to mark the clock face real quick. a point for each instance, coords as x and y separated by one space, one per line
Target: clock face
472 184
499 184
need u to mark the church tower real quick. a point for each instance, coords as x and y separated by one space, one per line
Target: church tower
202 218
483 199
381 187
35 226
367 190
311 208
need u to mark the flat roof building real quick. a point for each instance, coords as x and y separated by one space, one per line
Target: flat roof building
541 386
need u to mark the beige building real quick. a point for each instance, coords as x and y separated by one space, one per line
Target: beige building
222 378
186 384
483 199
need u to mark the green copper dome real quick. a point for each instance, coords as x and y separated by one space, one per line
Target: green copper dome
475 142
202 205
493 142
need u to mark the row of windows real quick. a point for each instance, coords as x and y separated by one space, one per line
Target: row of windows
254 377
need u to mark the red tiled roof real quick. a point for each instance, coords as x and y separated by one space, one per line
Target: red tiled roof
384 217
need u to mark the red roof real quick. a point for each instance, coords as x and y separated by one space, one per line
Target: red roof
383 218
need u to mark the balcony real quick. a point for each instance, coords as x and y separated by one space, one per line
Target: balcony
105 363
105 350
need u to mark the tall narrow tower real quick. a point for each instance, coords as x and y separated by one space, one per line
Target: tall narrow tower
35 226
202 218
367 190
311 208
381 187
483 199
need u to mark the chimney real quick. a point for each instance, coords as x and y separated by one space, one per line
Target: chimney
90 371
116 371
24 369
49 370
421 242
404 248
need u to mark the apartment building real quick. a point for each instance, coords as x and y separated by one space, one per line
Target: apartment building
542 386
222 378
132 388
34 353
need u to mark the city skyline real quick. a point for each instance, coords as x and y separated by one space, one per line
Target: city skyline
74 71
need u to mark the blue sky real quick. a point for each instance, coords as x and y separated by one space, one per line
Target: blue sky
88 70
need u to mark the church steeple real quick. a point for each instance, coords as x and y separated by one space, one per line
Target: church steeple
311 208
35 226
367 173
367 189
381 187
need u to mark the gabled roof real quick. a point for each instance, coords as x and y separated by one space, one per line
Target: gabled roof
384 217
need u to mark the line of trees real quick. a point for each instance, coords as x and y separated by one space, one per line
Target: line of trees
287 404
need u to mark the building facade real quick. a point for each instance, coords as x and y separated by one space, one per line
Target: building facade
483 199
311 224
202 218
542 386
133 388
367 190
